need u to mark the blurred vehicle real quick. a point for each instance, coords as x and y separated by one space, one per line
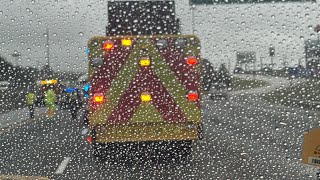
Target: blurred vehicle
218 89
220 85
145 97
238 70
207 73
267 69
4 85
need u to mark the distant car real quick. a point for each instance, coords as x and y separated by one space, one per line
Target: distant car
238 70
4 85
218 89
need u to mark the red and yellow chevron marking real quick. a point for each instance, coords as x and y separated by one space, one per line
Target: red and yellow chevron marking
153 92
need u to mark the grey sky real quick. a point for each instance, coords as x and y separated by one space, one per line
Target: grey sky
223 29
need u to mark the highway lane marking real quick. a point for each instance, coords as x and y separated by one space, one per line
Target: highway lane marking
9 177
21 123
63 165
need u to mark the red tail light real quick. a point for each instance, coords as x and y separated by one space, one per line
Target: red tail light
89 139
98 98
108 45
191 60
193 96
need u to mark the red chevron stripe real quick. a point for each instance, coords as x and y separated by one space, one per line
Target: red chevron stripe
146 81
114 61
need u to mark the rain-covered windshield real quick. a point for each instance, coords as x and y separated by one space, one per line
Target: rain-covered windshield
175 89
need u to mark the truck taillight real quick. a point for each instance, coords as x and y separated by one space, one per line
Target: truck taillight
193 96
98 98
89 139
191 60
108 45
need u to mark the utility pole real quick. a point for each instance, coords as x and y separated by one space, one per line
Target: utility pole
317 30
16 55
306 55
299 62
193 7
261 63
271 54
48 49
254 69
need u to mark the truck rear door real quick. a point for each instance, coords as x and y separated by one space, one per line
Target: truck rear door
144 86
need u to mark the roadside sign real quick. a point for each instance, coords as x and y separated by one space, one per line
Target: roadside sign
311 147
246 57
207 2
317 28
271 51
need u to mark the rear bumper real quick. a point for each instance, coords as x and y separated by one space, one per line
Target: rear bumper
147 132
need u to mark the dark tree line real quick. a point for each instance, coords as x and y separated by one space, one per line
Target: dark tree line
17 74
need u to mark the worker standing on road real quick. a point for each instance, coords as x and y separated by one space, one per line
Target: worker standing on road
75 102
31 100
50 101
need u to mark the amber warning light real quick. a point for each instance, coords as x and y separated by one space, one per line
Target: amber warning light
145 97
145 61
98 98
126 42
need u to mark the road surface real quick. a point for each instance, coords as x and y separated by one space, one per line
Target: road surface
12 99
245 138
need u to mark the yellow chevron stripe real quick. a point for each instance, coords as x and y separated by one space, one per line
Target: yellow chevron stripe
173 85
119 85
162 70
146 112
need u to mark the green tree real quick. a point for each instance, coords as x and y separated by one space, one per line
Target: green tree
6 69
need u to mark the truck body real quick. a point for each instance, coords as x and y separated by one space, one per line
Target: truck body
144 87
141 18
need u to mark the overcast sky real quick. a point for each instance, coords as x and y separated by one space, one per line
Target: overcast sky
223 30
